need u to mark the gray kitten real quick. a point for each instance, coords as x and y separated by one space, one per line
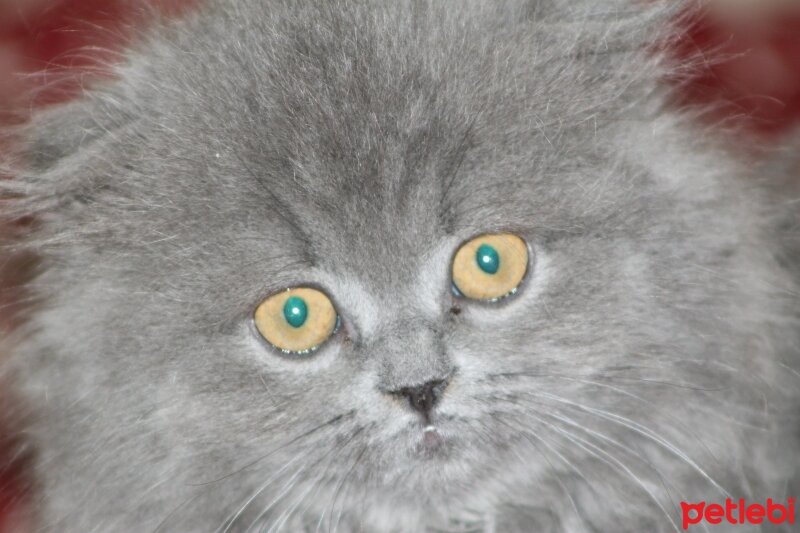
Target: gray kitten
651 355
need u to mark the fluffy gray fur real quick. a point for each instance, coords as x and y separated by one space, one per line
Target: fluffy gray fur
652 355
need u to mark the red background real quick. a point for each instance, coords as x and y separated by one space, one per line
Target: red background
757 85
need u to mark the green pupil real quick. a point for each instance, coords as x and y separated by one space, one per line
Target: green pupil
295 311
488 259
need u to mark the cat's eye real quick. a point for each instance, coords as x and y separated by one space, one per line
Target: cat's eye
490 267
296 320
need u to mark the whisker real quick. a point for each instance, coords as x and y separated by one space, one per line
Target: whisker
528 435
614 443
638 398
314 484
287 487
641 430
333 421
610 460
344 484
335 495
232 520
172 513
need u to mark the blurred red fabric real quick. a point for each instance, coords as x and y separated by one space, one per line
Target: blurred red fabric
753 74
752 64
60 37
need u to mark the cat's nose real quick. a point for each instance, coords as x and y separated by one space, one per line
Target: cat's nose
423 398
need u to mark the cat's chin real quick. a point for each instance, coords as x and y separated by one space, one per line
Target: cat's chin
437 440
439 454
432 472
433 442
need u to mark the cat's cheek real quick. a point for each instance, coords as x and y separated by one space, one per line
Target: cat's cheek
464 397
388 414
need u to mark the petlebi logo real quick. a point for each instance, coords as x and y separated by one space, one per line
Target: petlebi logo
738 512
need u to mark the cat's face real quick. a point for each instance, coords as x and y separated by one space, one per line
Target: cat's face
360 170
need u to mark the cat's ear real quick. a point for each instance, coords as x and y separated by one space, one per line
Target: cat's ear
52 159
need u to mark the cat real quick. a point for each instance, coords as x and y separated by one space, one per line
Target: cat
647 353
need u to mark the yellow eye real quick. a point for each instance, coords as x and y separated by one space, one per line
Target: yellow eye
296 320
490 267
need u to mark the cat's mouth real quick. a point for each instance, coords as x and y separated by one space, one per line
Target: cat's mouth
440 440
432 441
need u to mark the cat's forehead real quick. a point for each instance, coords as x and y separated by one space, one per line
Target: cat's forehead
375 234
384 214
370 152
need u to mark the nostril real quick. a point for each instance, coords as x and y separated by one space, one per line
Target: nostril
423 398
